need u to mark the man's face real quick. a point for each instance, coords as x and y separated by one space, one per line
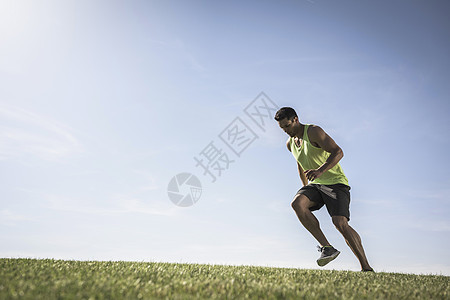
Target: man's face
289 126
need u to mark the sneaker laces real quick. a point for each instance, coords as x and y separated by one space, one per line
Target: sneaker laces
321 249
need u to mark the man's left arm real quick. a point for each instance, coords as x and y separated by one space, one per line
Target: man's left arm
319 136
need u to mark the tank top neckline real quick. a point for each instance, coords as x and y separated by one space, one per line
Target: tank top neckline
305 130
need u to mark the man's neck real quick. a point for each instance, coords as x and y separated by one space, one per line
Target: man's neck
300 132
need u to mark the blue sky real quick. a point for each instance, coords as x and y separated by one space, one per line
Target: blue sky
102 103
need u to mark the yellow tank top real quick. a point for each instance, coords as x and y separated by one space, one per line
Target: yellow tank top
310 157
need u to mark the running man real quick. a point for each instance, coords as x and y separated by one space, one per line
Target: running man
318 157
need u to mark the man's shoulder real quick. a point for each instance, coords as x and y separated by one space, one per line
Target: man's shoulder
314 130
313 127
288 144
315 133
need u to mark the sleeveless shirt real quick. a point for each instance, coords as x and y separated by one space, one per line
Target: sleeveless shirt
311 157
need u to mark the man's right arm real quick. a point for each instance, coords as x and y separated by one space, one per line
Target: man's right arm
302 175
300 170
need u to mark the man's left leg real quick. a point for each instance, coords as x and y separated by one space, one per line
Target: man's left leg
353 240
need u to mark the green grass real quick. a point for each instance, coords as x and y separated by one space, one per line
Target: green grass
60 279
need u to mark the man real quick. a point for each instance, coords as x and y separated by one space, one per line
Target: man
318 158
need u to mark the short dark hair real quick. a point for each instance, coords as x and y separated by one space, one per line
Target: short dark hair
285 113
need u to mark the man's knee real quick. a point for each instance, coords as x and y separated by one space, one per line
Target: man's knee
301 203
340 222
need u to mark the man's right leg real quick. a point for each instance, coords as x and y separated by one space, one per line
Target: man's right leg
301 205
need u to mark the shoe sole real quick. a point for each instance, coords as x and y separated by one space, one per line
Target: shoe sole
322 262
369 271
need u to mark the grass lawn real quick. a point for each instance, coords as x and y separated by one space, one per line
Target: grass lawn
62 279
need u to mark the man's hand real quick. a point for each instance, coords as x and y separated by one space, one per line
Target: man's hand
313 174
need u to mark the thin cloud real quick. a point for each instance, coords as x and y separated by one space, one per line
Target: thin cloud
120 204
429 225
435 194
25 134
292 60
151 185
10 218
245 245
182 49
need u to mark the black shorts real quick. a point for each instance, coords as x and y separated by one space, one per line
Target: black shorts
336 197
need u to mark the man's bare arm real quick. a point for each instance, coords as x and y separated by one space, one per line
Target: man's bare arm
300 170
288 145
302 175
318 136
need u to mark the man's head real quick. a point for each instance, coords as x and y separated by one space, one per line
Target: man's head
288 120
